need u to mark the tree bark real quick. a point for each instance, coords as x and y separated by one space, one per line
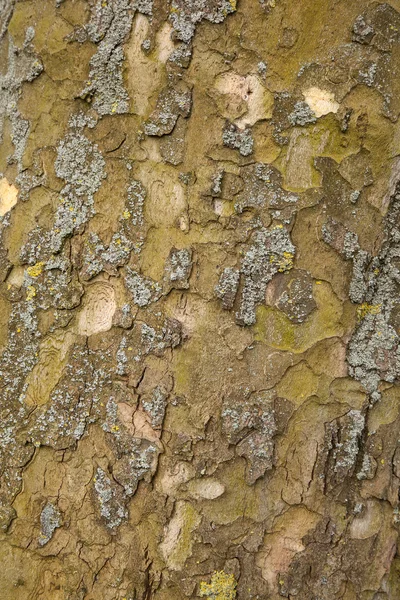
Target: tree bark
199 299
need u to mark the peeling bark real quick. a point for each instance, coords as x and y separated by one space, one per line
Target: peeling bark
199 299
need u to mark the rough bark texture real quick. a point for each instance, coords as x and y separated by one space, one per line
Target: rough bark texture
199 299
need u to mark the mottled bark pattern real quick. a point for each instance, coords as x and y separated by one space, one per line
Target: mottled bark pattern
199 299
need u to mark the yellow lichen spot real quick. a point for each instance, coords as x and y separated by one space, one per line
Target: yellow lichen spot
126 214
222 587
19 330
285 262
35 270
30 292
115 428
367 309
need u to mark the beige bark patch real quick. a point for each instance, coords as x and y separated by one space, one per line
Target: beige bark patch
299 171
368 523
320 101
258 100
166 203
98 309
16 277
177 544
207 488
164 43
125 414
147 74
48 371
142 427
8 196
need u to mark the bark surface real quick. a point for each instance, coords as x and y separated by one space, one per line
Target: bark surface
199 299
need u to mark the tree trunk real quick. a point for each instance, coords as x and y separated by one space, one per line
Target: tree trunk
199 299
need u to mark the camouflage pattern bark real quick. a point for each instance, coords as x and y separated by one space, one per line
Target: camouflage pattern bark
199 299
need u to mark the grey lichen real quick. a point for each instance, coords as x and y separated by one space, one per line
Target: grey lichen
238 139
178 268
155 405
172 102
143 289
271 252
343 438
144 6
374 353
50 520
82 167
121 357
186 14
181 55
157 340
368 74
263 187
362 31
6 11
347 449
137 462
374 349
227 287
354 196
339 237
302 115
109 26
262 69
111 500
23 65
251 427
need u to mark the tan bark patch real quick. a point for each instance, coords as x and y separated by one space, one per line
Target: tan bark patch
47 372
177 544
249 90
320 101
98 310
8 196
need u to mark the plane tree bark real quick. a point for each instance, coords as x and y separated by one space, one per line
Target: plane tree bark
199 299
